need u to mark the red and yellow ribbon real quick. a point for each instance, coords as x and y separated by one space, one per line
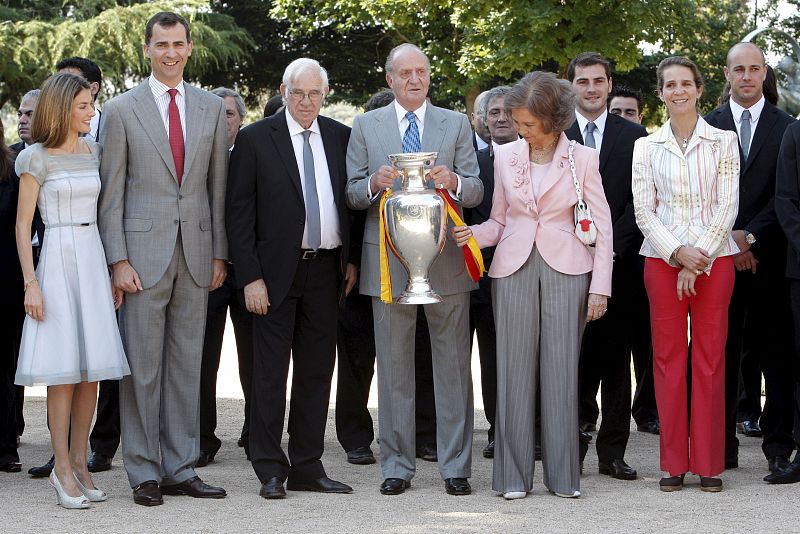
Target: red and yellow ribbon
473 259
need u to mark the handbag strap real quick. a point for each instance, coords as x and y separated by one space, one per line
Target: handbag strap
578 190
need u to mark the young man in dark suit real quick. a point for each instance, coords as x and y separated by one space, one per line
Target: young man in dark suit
759 318
606 352
288 227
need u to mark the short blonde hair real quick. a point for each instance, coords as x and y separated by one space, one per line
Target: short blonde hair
53 117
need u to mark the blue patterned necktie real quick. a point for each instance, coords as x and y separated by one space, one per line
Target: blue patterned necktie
411 141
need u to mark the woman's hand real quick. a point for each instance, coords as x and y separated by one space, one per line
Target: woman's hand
686 280
693 258
34 305
119 296
598 304
461 235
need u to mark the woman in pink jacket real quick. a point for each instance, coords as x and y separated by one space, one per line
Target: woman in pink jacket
547 284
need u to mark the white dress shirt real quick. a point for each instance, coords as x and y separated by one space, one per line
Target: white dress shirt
162 102
94 124
600 122
755 114
689 198
328 214
480 143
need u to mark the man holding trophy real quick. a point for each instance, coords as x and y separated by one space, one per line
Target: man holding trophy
411 125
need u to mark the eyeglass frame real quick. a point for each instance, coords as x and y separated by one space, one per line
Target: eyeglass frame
298 95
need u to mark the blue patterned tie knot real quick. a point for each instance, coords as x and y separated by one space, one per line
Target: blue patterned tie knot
411 141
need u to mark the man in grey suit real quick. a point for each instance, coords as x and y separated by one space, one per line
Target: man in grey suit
410 124
162 222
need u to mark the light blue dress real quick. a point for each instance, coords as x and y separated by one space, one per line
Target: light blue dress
78 340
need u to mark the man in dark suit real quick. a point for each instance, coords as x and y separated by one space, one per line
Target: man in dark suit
759 316
606 351
288 228
787 208
501 129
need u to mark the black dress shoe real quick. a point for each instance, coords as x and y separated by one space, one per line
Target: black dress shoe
778 463
11 467
749 429
457 486
204 459
43 470
488 451
586 426
273 489
617 469
240 442
194 487
789 475
394 486
651 427
427 452
320 485
98 462
148 494
731 463
361 456
710 484
671 483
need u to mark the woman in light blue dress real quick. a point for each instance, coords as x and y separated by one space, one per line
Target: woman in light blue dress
70 338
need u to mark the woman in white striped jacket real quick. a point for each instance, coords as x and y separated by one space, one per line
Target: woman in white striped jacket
686 195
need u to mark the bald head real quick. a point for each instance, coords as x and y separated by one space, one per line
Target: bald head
746 71
478 113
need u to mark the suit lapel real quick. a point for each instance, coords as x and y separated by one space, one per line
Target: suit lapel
765 123
574 133
280 136
388 132
195 117
433 135
609 138
331 145
144 106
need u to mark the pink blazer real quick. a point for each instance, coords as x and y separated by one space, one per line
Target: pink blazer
517 220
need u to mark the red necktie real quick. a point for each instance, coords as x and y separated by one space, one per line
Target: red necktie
176 135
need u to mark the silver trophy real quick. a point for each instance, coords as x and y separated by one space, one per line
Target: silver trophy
416 220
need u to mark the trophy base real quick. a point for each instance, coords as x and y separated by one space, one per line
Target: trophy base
429 297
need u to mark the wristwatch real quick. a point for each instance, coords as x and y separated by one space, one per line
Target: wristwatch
749 238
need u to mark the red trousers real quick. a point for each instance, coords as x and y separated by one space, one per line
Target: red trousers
704 455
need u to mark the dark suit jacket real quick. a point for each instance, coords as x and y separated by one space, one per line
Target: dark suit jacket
787 196
616 162
757 179
479 214
265 211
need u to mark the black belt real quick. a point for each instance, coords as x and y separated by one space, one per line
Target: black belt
308 254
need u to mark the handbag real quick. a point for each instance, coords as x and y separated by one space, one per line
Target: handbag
585 228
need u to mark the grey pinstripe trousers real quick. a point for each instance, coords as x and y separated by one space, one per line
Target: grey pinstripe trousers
540 315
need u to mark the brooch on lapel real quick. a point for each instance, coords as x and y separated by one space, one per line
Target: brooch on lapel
521 168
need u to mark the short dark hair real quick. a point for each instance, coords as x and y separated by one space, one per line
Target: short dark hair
89 69
681 61
587 59
274 105
626 92
547 98
166 19
381 99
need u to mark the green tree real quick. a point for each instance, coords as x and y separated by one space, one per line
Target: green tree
111 34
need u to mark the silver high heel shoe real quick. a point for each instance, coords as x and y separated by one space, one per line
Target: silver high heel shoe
65 500
94 495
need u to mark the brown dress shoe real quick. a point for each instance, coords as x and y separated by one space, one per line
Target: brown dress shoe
148 494
194 487
710 484
671 483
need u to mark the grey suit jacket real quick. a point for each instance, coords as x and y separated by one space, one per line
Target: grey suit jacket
375 135
141 207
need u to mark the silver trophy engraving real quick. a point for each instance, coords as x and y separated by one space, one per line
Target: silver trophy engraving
416 220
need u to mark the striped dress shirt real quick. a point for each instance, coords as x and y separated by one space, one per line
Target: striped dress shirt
686 199
162 98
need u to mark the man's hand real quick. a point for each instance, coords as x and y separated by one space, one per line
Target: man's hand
461 235
256 299
443 178
744 261
686 280
741 242
693 258
350 278
218 274
383 178
125 277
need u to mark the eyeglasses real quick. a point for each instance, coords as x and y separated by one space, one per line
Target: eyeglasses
313 96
